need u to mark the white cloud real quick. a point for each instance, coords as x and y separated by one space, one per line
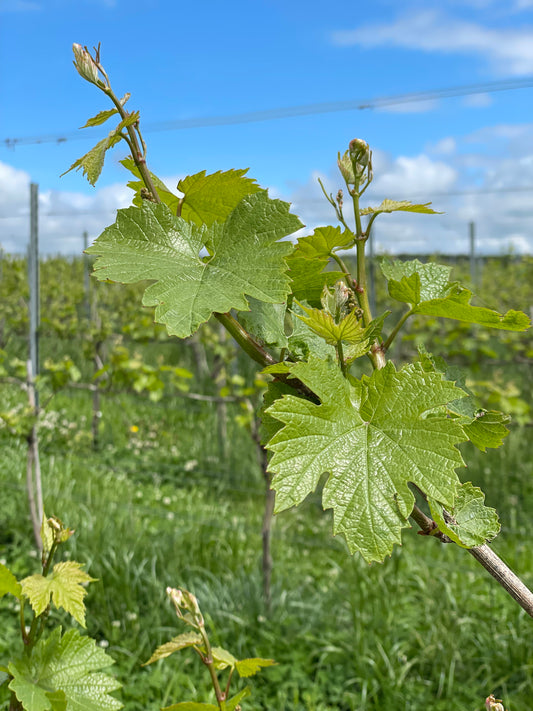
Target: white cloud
508 50
446 146
63 216
498 202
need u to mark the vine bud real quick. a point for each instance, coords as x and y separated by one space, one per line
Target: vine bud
184 600
85 64
492 704
359 152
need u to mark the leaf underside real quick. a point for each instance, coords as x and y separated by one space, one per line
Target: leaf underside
371 437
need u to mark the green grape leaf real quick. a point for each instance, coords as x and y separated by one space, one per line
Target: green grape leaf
223 659
191 706
471 523
93 161
182 641
308 278
247 258
413 281
349 329
371 437
100 118
64 669
456 305
232 703
324 242
250 667
64 586
427 288
487 429
212 198
400 205
483 428
8 583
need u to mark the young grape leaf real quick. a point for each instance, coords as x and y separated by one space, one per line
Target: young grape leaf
487 429
8 583
245 667
400 205
472 523
427 289
93 161
100 118
250 667
484 428
413 281
372 437
308 278
349 330
235 701
324 242
212 198
246 258
64 667
64 586
223 659
182 641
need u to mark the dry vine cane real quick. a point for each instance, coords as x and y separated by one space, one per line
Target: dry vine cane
379 437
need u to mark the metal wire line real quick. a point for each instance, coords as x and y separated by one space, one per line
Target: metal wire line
293 111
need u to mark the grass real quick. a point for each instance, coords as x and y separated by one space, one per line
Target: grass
427 629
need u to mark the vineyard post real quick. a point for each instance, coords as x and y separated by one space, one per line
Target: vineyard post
33 278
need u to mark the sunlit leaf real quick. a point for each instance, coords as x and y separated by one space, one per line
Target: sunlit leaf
247 258
64 586
372 437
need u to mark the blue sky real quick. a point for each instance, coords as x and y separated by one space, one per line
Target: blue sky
184 61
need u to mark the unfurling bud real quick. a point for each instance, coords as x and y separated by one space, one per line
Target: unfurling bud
492 704
184 600
85 64
359 152
356 161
